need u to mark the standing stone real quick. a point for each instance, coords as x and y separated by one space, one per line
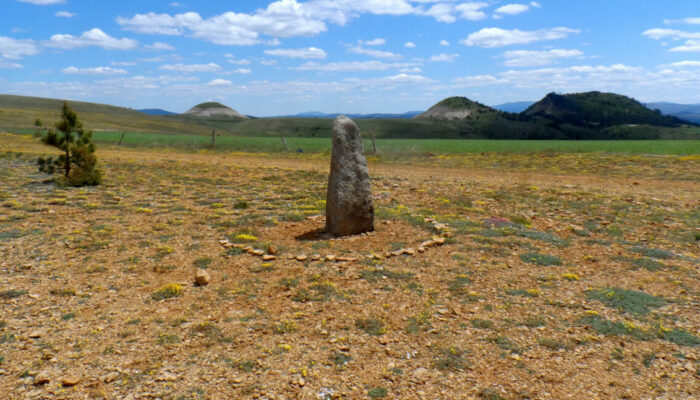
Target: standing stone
349 208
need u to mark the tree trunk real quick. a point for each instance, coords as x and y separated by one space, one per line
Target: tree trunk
213 137
374 145
284 142
67 167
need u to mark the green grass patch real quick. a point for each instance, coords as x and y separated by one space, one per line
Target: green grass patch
377 393
541 259
11 294
371 326
653 253
628 301
451 359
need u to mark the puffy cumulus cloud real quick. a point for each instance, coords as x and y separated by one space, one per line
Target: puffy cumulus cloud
692 39
243 71
444 43
93 71
159 46
219 82
65 14
534 58
211 67
448 13
512 9
235 61
689 46
352 66
43 2
292 18
374 53
373 42
409 45
443 57
93 37
673 34
310 52
497 37
15 49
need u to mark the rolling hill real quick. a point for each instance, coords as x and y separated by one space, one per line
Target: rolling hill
214 110
455 108
598 110
20 112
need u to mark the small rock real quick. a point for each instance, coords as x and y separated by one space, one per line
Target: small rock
35 334
410 251
315 257
420 374
201 277
272 249
42 378
301 257
70 380
269 257
330 257
110 377
301 382
167 377
346 259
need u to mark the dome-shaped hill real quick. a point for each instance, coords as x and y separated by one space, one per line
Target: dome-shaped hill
455 108
213 109
598 109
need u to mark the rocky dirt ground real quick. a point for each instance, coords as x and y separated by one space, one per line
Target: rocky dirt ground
540 284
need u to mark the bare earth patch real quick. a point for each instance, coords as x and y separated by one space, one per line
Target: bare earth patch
548 285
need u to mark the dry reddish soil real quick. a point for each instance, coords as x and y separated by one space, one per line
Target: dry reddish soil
547 286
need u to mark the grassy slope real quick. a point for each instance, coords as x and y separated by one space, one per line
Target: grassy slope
20 112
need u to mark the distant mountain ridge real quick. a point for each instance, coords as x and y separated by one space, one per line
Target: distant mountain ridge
156 111
688 112
317 114
515 107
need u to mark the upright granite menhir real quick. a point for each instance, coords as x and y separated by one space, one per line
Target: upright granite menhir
349 208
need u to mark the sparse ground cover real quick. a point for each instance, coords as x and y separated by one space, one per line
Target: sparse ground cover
573 282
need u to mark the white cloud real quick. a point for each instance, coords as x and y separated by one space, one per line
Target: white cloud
692 39
373 42
243 71
211 67
374 53
9 65
534 58
372 65
472 11
123 63
94 71
220 82
159 46
512 9
674 34
689 46
43 2
176 4
535 4
289 18
497 37
409 45
93 37
444 43
65 14
311 52
238 62
15 49
683 64
442 57
689 21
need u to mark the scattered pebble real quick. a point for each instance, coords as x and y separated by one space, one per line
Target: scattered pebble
70 380
201 277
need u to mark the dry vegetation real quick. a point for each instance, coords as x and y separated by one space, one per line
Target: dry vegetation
548 286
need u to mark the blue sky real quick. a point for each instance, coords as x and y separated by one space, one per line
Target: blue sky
355 56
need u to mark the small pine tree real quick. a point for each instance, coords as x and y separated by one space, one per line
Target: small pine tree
77 163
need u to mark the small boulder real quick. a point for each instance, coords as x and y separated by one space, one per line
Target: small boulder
70 380
42 378
201 277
